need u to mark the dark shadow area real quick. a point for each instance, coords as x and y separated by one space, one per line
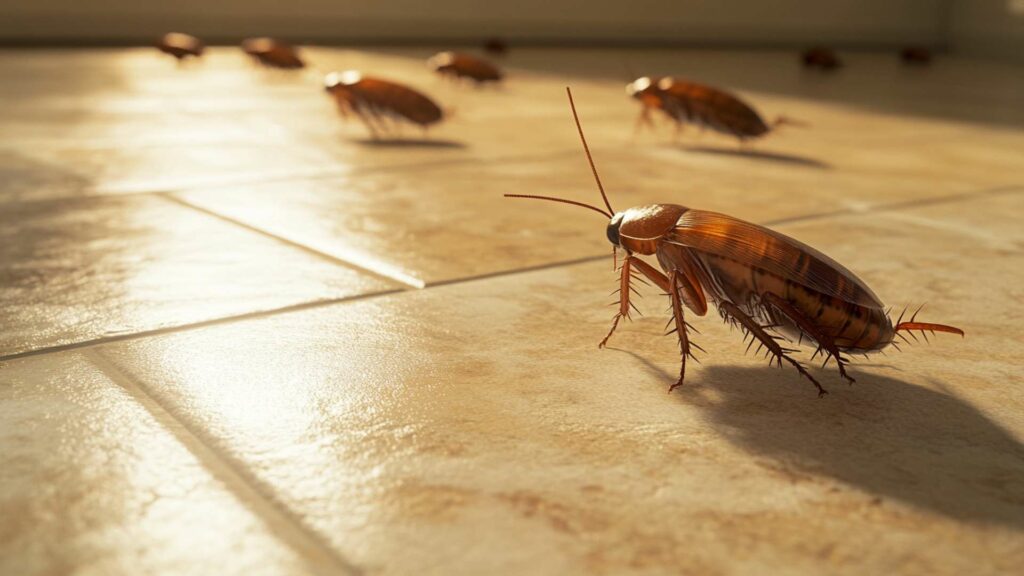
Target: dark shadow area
410 143
760 155
883 435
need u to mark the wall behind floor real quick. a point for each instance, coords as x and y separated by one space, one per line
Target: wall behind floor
785 23
989 28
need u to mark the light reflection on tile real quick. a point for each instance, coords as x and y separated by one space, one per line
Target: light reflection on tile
476 427
94 483
102 267
430 428
444 223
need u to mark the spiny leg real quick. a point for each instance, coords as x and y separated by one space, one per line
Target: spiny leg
779 353
625 305
825 342
678 132
365 118
680 327
643 120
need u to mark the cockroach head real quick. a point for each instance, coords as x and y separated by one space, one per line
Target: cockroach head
641 86
613 229
442 61
340 80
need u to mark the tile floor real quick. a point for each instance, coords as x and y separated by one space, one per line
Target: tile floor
238 337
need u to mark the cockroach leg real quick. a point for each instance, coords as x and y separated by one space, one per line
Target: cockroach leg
365 118
806 326
677 133
644 119
680 327
659 279
732 312
625 274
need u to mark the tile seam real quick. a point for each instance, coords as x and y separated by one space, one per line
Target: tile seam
282 522
585 259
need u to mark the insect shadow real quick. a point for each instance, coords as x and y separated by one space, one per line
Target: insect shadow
409 143
883 435
761 155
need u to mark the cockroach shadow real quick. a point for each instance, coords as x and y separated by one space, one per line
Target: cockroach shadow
761 155
409 143
891 438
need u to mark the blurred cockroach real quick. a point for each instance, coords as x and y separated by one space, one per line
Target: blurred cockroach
821 58
273 53
374 101
496 46
181 45
702 105
458 65
772 287
916 55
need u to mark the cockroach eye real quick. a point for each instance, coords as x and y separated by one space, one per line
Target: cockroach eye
613 228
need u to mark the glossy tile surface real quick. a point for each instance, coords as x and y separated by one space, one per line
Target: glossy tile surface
437 224
97 268
479 413
98 480
262 343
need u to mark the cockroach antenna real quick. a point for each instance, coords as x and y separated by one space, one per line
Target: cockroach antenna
562 200
593 168
586 149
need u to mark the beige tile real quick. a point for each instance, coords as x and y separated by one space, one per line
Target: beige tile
95 482
476 428
118 170
84 269
131 120
433 224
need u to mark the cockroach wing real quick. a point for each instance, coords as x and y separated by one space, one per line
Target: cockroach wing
759 247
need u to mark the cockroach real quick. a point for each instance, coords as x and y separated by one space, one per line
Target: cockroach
918 55
495 46
459 65
273 53
181 45
375 101
777 290
821 58
705 106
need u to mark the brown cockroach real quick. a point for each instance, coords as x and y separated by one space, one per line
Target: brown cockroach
774 288
459 65
705 106
181 45
496 46
375 101
918 55
273 53
821 58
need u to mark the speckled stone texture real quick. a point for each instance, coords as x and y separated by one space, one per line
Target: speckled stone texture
237 336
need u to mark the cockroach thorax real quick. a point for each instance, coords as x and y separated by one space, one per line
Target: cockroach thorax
640 228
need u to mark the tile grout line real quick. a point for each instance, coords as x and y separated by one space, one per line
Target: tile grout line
282 522
523 270
195 325
392 276
917 202
313 176
454 281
